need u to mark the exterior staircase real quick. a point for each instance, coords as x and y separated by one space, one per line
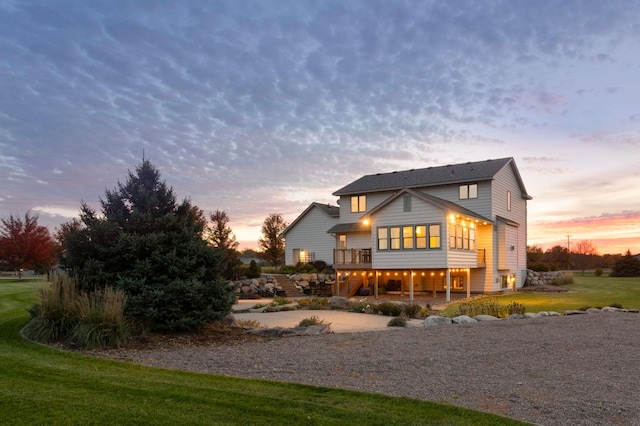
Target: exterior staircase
288 286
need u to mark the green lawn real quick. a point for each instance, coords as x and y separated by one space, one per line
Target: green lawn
41 385
587 291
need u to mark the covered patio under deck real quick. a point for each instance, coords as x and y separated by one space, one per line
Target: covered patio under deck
404 282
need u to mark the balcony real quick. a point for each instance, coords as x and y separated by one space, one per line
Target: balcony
352 258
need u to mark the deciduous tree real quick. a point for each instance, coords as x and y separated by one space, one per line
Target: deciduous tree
583 250
25 244
271 243
221 237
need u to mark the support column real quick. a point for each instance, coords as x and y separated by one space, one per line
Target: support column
468 283
375 285
448 276
411 285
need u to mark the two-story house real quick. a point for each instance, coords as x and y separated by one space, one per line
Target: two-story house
460 227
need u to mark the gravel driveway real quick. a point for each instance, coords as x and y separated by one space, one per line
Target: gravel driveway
578 369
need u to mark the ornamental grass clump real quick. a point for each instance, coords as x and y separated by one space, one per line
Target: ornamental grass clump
390 309
400 321
489 306
412 310
307 322
81 319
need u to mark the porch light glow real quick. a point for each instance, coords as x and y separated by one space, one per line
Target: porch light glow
366 221
452 218
432 274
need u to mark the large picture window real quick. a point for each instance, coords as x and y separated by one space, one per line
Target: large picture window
409 237
358 203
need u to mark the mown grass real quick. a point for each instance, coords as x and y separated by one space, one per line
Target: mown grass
42 385
587 291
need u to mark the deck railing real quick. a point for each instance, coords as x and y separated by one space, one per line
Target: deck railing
351 256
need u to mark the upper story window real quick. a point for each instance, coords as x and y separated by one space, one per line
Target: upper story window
409 237
509 200
358 203
461 237
469 191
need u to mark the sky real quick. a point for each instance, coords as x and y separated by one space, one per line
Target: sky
259 107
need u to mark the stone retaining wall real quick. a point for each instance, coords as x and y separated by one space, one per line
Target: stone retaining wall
535 278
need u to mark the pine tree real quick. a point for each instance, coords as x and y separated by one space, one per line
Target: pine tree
627 266
153 248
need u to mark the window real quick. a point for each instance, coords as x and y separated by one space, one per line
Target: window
434 236
383 235
358 203
406 203
394 238
407 237
462 237
509 200
468 191
421 237
342 241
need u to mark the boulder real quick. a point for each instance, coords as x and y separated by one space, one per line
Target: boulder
532 315
463 319
593 311
574 312
515 316
338 301
434 320
485 318
267 332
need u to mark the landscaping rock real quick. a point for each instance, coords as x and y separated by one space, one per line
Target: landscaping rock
515 316
268 332
612 309
338 301
574 312
485 318
463 319
434 320
593 311
230 320
531 315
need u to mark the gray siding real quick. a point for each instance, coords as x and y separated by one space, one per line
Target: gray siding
372 201
310 234
422 213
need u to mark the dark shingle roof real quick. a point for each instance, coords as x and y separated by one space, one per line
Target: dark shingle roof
349 227
465 172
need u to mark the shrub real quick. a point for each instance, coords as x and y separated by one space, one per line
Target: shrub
390 309
318 303
360 306
320 265
598 272
254 270
279 300
314 320
565 278
400 321
516 308
250 323
412 310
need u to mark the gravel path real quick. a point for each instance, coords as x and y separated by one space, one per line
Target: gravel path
579 369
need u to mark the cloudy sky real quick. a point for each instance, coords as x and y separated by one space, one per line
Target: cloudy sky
258 107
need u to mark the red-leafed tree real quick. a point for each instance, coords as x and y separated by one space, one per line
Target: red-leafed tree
25 244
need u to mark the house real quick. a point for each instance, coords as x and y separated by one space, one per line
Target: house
306 238
460 228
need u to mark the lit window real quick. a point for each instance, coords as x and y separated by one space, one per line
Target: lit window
358 203
421 237
394 238
407 237
434 236
342 241
509 200
383 242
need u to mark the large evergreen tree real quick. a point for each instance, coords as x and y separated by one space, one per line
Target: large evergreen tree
627 266
152 247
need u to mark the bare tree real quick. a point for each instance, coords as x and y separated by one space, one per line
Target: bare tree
271 243
583 250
